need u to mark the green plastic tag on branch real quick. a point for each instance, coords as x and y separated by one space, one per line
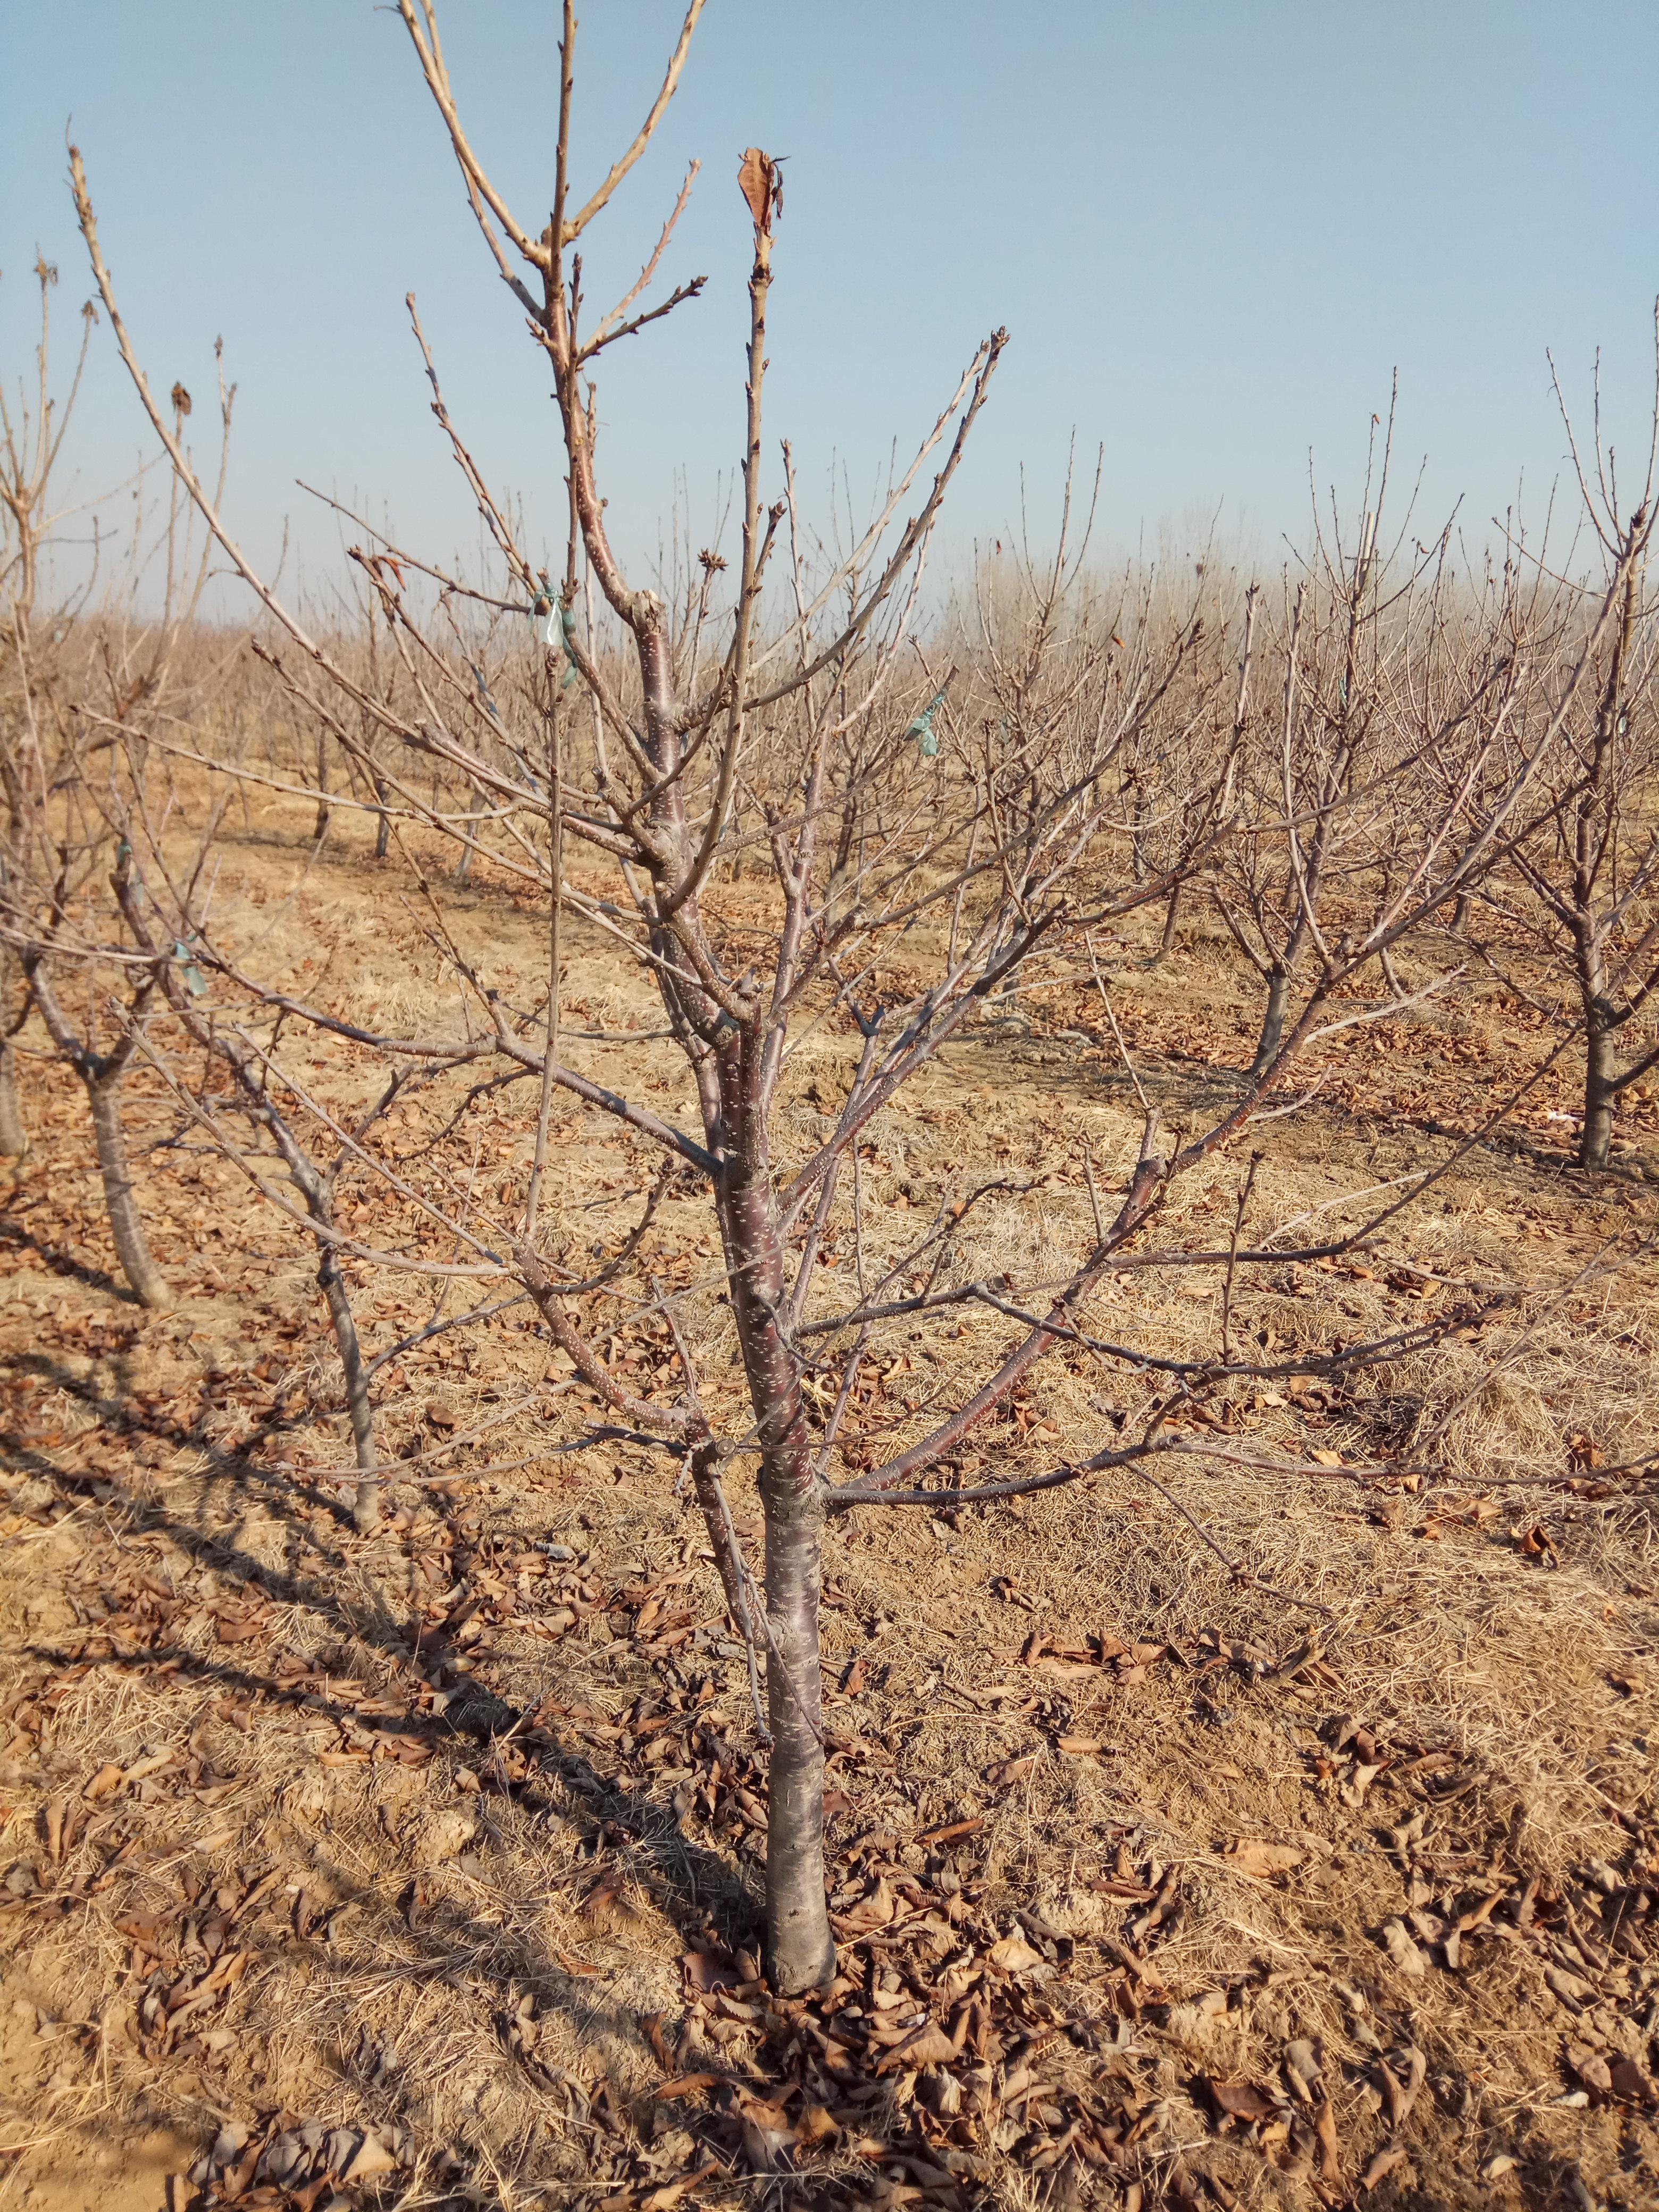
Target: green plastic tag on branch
195 981
556 625
922 728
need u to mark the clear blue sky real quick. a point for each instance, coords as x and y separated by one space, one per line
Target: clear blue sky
1213 231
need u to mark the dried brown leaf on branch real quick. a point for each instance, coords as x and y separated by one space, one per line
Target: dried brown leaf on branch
760 183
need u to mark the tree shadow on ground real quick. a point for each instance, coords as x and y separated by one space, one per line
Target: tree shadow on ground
433 1927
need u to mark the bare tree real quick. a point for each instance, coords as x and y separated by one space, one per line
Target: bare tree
55 836
914 872
1310 778
31 442
98 1048
1594 868
166 919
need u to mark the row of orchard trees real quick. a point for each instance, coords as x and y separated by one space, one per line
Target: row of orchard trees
789 801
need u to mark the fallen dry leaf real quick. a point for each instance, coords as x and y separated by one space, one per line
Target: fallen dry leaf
1397 1942
1630 2084
599 1900
926 2046
1012 1955
1078 1746
651 2028
237 1628
874 1909
371 2157
768 2139
1009 1771
672 2193
1330 2150
1534 1543
685 2085
1353 1790
1383 2165
1243 2100
1262 1859
710 1970
951 1831
1302 2064
1067 1670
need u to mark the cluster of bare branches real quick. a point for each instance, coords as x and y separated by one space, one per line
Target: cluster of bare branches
78 670
801 804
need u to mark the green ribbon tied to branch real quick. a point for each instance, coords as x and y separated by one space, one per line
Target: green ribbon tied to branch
922 728
556 624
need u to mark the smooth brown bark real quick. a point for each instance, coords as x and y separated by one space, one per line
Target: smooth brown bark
1594 831
366 1511
1272 1033
126 1225
1595 1140
801 1949
13 1137
101 1074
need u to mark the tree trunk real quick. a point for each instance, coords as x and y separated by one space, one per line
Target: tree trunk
1597 1139
800 1951
382 823
1594 820
14 1139
1137 818
1171 914
463 867
325 812
131 1247
1601 1032
1273 1022
365 1510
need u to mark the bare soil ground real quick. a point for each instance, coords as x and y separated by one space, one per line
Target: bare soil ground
423 1868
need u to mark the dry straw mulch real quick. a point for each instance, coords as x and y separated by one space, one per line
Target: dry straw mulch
424 1869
